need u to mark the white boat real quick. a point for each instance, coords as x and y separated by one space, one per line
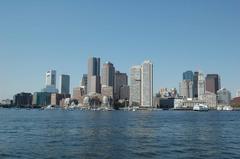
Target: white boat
200 107
219 108
227 108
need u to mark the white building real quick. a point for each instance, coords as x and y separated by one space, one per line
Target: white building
135 86
147 84
50 82
224 96
201 85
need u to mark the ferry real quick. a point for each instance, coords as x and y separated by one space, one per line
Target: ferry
200 107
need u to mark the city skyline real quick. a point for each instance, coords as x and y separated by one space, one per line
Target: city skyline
175 36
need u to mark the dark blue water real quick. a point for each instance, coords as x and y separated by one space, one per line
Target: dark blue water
75 134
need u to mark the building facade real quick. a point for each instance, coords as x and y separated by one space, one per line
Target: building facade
135 86
22 99
201 85
213 83
121 82
223 96
50 82
147 84
64 84
188 75
94 83
186 89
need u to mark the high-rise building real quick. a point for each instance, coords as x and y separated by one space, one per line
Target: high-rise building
121 80
213 83
186 89
64 84
201 85
135 86
84 81
147 84
41 99
195 85
94 84
51 78
188 75
50 82
223 96
108 73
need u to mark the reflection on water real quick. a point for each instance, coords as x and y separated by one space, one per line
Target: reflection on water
75 134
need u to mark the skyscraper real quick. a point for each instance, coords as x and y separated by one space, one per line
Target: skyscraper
147 84
195 85
84 83
94 85
201 86
188 75
186 89
108 73
213 83
50 82
121 80
135 86
51 78
64 84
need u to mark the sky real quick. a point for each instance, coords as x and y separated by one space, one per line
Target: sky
176 35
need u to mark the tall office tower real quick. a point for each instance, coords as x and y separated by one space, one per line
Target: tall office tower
186 89
50 82
201 86
224 96
147 84
188 75
121 80
108 73
51 78
64 84
213 83
135 86
94 85
195 85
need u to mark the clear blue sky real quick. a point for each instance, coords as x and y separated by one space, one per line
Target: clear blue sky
177 35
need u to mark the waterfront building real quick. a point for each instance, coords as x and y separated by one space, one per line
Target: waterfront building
195 84
147 84
186 89
135 86
56 98
213 83
188 75
210 99
120 85
50 82
22 99
223 96
41 99
64 84
201 85
94 83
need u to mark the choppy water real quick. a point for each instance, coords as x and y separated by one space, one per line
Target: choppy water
75 134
